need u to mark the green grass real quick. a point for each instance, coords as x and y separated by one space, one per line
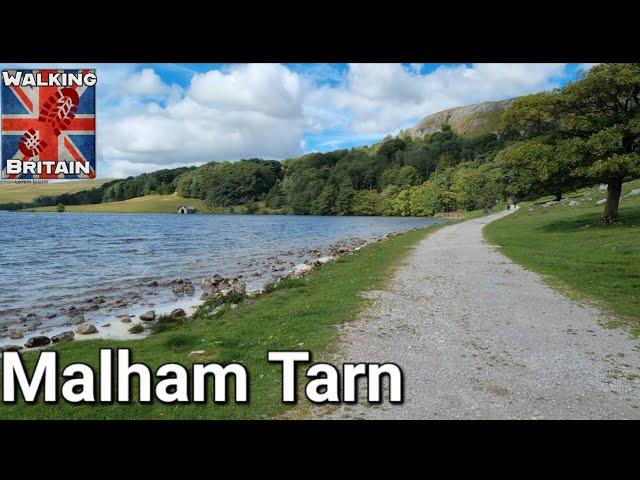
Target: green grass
568 244
301 314
25 192
148 204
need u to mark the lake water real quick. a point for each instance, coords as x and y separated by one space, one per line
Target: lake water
51 261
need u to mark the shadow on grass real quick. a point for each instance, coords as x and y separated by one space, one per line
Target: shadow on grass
629 217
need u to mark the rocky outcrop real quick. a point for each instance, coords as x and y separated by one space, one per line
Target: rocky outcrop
478 118
178 313
181 286
218 286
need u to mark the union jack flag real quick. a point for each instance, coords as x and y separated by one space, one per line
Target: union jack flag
49 123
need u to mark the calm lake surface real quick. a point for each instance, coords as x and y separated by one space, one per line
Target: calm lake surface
51 261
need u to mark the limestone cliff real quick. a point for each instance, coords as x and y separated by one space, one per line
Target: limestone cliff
467 120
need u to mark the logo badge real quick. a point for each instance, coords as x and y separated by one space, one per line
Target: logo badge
48 124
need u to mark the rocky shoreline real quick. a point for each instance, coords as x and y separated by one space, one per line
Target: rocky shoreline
29 331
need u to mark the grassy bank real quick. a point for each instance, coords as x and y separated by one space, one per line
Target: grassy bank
26 192
147 204
301 314
568 244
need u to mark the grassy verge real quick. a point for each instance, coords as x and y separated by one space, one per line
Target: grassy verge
568 244
301 314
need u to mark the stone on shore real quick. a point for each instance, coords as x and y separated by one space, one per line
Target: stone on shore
302 270
181 286
86 329
178 313
322 260
218 286
78 320
63 337
149 316
16 333
39 341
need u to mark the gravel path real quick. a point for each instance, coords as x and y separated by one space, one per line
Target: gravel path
477 336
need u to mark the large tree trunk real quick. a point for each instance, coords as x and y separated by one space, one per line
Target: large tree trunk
614 191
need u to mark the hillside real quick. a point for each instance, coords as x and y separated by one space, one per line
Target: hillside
146 204
474 119
26 192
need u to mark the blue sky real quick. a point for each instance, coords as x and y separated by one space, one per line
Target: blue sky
153 116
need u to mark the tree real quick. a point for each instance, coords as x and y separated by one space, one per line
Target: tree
276 198
367 202
426 199
475 188
537 167
325 202
600 115
60 207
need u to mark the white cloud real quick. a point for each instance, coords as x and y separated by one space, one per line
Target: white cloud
148 83
268 88
382 98
250 110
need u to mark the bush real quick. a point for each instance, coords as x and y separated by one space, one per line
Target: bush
60 207
137 328
166 322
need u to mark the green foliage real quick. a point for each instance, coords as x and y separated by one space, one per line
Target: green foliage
367 202
586 132
137 328
165 323
60 207
475 188
276 198
224 184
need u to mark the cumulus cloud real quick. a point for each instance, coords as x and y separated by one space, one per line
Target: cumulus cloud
147 83
270 89
247 111
382 98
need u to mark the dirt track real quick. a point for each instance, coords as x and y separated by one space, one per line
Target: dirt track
477 336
